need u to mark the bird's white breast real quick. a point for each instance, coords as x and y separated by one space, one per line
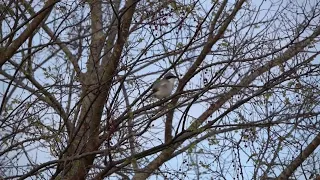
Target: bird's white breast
165 88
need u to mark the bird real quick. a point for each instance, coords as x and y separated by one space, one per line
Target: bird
163 88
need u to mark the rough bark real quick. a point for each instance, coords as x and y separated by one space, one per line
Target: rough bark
96 85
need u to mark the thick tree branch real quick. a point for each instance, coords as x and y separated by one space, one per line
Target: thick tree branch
15 45
287 55
62 45
289 170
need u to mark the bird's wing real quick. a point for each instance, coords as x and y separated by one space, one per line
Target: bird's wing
158 85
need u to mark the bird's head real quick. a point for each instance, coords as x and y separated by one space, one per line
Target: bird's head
169 75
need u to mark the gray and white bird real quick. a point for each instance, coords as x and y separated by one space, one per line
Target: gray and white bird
163 88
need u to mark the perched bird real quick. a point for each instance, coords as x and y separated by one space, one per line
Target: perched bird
163 88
